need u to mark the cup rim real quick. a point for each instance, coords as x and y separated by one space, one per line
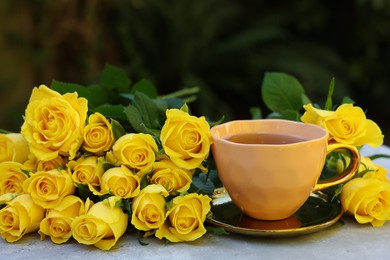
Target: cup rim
322 135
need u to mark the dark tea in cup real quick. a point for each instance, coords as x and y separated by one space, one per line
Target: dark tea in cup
264 138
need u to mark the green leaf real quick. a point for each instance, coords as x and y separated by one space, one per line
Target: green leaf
171 102
2 131
127 96
126 205
119 203
155 133
281 91
115 78
106 166
168 205
182 93
26 172
201 184
84 193
377 156
219 121
62 88
286 114
135 119
362 173
255 112
144 113
348 100
305 99
95 94
111 111
151 113
146 87
328 103
216 230
184 108
99 96
144 181
117 129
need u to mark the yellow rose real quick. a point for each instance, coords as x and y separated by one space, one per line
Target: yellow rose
57 223
87 170
13 147
58 162
367 168
34 165
49 188
347 125
11 177
367 199
185 219
148 208
121 182
31 163
186 139
98 135
19 217
53 123
372 170
315 116
136 151
173 178
101 226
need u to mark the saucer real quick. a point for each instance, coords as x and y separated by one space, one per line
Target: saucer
317 213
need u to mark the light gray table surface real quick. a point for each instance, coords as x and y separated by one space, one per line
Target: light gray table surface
343 240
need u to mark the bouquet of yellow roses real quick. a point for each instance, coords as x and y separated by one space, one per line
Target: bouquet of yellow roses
84 168
92 162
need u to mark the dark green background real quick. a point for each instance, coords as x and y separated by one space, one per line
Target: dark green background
224 47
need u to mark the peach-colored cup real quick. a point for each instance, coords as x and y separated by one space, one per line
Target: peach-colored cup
269 181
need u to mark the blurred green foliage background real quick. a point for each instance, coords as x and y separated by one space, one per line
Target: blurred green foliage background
222 46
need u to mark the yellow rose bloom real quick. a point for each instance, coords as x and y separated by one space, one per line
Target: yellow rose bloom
186 139
58 162
368 200
373 170
11 177
13 147
33 164
49 188
148 208
98 135
315 116
101 226
87 170
57 222
19 217
170 176
136 151
367 168
347 125
185 219
53 123
121 182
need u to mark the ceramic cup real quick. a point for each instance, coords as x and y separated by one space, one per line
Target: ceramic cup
272 181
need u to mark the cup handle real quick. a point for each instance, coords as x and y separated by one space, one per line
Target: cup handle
347 174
